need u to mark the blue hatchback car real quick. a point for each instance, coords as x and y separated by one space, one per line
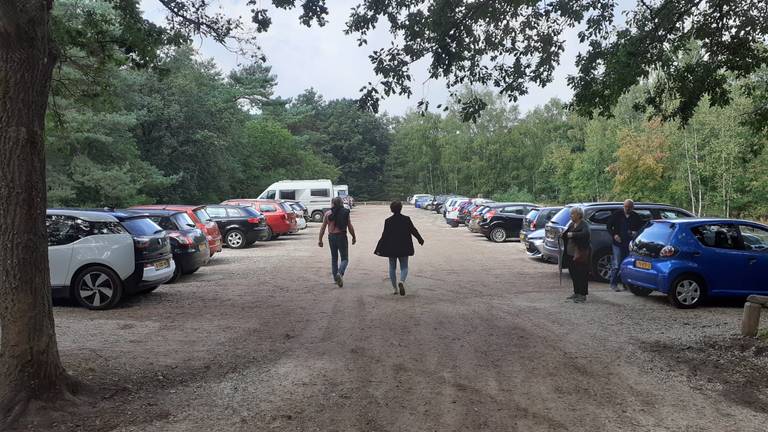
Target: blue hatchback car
691 259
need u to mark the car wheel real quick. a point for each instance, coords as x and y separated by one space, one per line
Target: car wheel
97 288
498 235
317 216
270 234
149 289
235 239
192 270
601 266
687 292
639 291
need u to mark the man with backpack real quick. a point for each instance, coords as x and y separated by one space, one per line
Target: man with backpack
623 227
338 222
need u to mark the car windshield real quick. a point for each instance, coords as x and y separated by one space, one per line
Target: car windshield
653 239
183 220
202 215
141 226
562 217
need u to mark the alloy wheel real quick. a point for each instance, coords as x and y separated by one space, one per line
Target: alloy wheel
96 288
498 235
235 239
604 267
687 292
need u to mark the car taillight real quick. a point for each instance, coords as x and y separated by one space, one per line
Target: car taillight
667 251
533 225
254 220
182 239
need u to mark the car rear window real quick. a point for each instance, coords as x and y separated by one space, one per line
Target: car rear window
202 215
562 217
653 238
545 216
268 208
286 207
251 212
532 215
183 220
141 226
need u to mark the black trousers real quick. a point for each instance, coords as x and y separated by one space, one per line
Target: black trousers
580 276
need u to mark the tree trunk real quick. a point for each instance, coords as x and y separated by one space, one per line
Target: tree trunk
30 367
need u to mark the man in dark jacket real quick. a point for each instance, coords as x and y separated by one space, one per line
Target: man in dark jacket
397 245
623 227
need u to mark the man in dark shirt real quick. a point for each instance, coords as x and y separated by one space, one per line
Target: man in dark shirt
623 227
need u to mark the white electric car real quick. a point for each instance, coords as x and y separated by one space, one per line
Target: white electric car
90 257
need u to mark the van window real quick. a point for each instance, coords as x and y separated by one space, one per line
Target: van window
288 195
323 193
342 193
268 195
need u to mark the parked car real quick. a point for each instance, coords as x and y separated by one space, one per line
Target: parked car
300 211
422 201
597 215
505 222
90 257
692 259
189 245
242 225
451 210
478 215
200 216
532 233
412 199
281 219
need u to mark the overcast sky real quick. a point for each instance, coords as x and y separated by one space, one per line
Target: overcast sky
332 63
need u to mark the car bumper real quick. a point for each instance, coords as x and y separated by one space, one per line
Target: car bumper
148 275
533 247
214 244
257 234
549 252
657 278
190 261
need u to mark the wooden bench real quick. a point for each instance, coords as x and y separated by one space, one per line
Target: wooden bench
750 322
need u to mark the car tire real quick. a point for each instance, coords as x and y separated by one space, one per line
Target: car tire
687 292
192 271
97 288
601 266
639 291
317 216
149 289
498 235
235 239
270 234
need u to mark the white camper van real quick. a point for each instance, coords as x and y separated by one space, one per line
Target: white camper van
340 191
316 195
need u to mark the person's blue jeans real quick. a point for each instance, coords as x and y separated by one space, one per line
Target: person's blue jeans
339 247
393 269
618 255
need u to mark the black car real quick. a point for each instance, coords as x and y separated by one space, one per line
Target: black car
188 243
240 226
152 250
597 214
502 223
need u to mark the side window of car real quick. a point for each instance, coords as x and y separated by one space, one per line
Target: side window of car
61 230
268 208
234 212
754 238
516 210
165 223
672 214
720 236
601 217
217 211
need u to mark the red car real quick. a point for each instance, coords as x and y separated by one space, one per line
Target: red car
281 219
199 216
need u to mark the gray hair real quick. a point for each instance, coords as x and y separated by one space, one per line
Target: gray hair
578 210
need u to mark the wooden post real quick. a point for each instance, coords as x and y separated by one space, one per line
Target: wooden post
751 319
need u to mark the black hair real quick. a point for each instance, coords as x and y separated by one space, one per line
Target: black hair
336 205
396 207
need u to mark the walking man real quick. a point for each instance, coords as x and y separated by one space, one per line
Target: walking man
623 226
338 222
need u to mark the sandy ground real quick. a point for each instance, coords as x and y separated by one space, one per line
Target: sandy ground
483 340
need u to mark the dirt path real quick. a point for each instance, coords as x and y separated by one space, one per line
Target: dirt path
262 340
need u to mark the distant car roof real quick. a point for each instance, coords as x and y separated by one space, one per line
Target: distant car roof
119 214
177 207
89 215
155 212
696 221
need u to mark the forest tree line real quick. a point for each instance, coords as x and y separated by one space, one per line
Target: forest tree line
180 130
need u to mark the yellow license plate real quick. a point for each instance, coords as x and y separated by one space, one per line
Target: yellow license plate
645 265
162 264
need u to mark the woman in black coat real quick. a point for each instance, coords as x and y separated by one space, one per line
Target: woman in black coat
577 254
397 245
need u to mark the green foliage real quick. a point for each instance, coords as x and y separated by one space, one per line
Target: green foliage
513 195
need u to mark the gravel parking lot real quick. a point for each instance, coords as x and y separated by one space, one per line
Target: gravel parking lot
262 340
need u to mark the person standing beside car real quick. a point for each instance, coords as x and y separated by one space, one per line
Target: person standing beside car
623 227
577 248
337 221
396 243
